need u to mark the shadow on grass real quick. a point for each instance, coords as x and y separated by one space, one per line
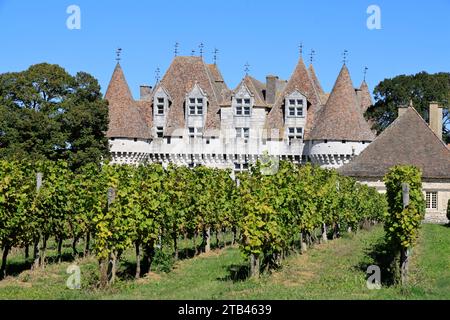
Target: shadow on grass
381 255
14 268
236 273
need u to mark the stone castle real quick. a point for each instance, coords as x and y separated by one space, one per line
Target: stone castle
192 118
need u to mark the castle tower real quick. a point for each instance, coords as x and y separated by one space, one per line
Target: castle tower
128 132
340 131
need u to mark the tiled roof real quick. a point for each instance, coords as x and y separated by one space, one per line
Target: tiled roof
126 117
364 97
180 79
316 82
408 140
219 85
301 81
341 118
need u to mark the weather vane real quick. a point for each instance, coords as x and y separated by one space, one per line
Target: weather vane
176 48
365 72
300 49
157 74
312 54
345 54
247 68
118 53
201 46
216 51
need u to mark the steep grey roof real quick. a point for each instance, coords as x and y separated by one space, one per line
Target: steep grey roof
127 119
341 118
407 141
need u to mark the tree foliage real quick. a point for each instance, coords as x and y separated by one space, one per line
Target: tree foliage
421 89
47 114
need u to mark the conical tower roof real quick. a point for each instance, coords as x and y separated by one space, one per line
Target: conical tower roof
341 118
315 80
365 98
125 118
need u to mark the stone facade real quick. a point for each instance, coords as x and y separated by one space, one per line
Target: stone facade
442 189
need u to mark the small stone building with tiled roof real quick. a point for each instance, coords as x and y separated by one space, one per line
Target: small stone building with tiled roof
192 118
409 141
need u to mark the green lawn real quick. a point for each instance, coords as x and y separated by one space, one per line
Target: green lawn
335 270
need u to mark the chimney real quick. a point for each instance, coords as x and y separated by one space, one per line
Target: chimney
271 88
436 118
146 92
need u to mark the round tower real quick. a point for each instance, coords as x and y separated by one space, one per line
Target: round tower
340 131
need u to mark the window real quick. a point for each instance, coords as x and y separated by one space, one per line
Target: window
160 106
159 132
169 140
243 133
194 133
431 200
295 107
243 107
295 134
196 106
240 167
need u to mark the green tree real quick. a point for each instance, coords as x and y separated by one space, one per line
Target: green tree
421 88
45 113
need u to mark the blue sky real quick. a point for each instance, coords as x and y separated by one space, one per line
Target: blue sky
414 36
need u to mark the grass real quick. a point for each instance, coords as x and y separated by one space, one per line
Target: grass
335 270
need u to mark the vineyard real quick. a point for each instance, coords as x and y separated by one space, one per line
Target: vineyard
115 208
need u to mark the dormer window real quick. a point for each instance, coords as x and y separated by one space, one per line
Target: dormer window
295 107
243 107
160 106
196 103
161 102
196 106
159 132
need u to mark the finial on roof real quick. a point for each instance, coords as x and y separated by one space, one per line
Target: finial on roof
157 74
176 48
365 73
300 49
216 51
118 54
411 104
247 68
311 56
345 56
192 52
201 46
